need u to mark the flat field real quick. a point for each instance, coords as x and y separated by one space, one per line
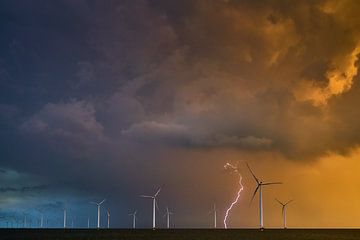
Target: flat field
181 234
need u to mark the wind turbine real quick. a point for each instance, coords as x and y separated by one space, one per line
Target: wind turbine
42 220
283 210
214 211
24 221
88 222
134 218
98 208
167 215
154 204
108 218
259 186
65 217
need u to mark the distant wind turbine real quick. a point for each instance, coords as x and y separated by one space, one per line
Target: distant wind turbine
134 218
108 218
98 211
42 220
167 215
24 221
154 205
215 217
88 222
283 210
65 217
259 186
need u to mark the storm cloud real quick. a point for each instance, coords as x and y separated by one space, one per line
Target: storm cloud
126 84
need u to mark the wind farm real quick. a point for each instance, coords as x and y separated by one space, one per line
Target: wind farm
168 229
181 119
214 212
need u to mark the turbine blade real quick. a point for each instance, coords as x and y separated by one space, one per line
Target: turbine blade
157 207
102 201
157 192
257 180
279 202
288 202
146 196
271 183
135 212
253 196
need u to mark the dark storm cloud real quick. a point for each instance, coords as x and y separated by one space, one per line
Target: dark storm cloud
221 73
169 133
24 189
52 206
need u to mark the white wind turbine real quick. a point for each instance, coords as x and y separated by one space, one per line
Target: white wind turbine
98 212
283 210
215 217
41 220
65 215
24 221
134 218
167 215
108 218
154 205
259 186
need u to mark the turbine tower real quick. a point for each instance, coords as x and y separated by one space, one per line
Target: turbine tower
283 210
259 186
65 217
134 218
42 220
108 218
214 211
98 211
88 222
154 205
167 215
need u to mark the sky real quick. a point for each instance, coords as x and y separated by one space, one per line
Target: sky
114 99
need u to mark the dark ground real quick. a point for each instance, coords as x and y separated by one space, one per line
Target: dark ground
181 234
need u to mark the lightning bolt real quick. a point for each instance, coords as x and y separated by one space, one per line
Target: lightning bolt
234 169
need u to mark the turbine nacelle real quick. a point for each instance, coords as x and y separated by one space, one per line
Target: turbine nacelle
133 214
98 203
154 196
